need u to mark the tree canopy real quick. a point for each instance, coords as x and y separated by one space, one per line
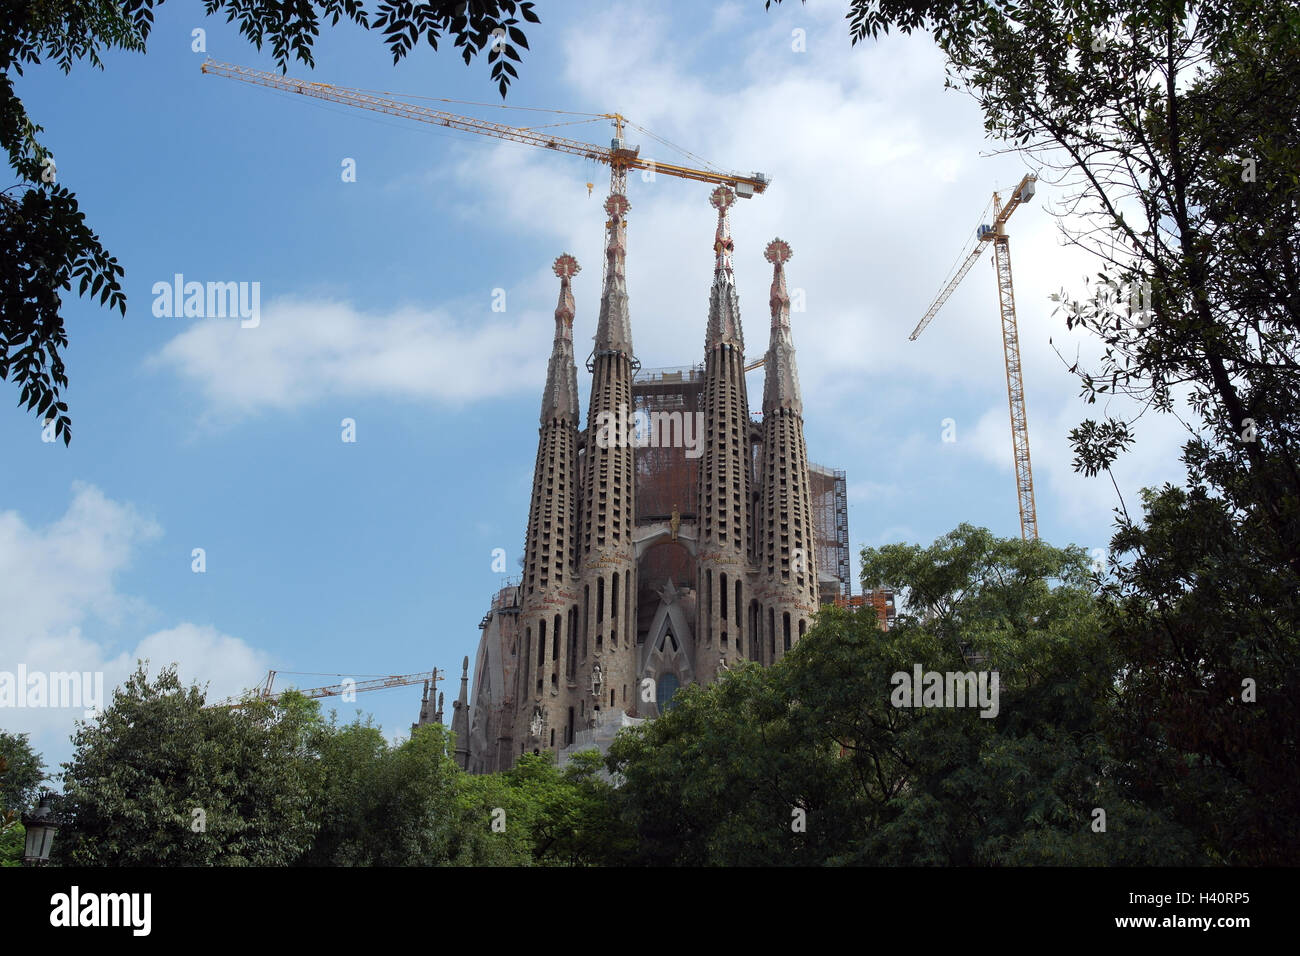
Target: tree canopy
811 761
161 779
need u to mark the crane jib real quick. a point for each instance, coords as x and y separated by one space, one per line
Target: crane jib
620 157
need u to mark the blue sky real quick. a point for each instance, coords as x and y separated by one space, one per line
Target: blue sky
375 557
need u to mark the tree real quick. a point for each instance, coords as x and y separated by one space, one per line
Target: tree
348 764
1022 787
535 814
1206 721
22 773
45 244
157 779
381 805
812 761
733 775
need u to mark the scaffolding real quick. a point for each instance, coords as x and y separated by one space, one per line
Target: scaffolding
881 601
505 601
830 508
669 401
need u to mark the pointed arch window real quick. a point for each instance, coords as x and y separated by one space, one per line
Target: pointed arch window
664 690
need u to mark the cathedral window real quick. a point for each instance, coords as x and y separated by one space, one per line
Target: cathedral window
666 688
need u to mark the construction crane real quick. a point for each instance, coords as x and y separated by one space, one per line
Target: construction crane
332 690
996 235
619 156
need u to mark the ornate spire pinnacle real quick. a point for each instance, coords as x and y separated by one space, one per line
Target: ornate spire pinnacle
724 303
560 398
781 375
721 199
614 328
566 267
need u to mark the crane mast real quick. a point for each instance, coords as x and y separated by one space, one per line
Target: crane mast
996 235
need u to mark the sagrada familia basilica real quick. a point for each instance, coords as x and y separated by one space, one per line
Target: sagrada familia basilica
652 561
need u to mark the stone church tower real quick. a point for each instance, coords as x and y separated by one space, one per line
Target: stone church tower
723 512
622 601
606 557
549 589
786 554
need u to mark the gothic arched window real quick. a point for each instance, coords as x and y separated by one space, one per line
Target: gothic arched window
668 684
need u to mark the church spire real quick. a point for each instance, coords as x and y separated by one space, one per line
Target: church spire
460 719
723 504
614 327
787 546
781 375
560 398
724 303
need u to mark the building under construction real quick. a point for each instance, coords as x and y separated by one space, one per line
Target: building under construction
675 535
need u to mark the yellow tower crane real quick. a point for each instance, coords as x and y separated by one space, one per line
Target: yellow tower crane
619 156
996 234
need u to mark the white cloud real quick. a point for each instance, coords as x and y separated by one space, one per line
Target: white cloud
51 580
303 352
203 654
58 588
